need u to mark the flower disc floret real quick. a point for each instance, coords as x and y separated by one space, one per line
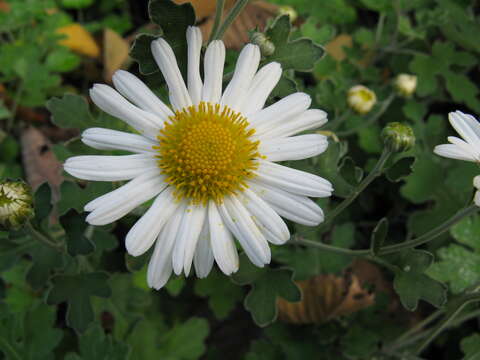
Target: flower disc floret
206 152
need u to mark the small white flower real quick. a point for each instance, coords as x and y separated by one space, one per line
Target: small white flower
208 161
361 99
467 149
406 84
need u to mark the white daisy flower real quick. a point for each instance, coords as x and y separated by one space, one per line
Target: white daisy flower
208 161
467 149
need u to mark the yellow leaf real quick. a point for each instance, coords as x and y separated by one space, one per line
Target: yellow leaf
79 40
335 47
115 53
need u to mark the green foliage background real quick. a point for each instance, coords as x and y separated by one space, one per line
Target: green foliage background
82 297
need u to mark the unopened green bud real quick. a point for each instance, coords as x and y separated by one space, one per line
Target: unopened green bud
288 10
16 204
405 84
398 137
267 47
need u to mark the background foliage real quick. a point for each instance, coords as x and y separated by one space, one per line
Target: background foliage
71 292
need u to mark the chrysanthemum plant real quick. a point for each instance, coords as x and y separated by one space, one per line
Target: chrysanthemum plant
214 164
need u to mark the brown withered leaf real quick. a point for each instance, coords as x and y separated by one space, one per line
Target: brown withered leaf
204 8
328 296
115 53
39 161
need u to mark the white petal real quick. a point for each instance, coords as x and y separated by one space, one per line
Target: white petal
265 217
203 259
137 92
299 209
292 180
467 127
187 237
143 234
109 168
107 139
308 120
237 90
293 148
165 58
240 223
222 243
213 62
476 198
194 40
280 113
454 152
160 265
120 202
262 85
116 105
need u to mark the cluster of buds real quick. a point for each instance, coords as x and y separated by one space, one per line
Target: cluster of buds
361 99
16 204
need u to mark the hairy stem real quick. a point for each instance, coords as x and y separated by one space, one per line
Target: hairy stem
231 16
218 17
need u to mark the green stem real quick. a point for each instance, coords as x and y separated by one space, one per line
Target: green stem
42 238
232 15
377 170
8 350
389 249
467 299
218 17
372 120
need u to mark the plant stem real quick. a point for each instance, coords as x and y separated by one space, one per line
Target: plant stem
42 238
218 17
231 16
386 103
8 350
389 249
432 234
377 170
467 299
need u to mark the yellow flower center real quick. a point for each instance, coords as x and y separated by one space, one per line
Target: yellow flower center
205 151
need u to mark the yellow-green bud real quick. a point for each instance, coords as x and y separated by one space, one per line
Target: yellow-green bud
16 204
398 137
288 10
405 84
267 47
361 99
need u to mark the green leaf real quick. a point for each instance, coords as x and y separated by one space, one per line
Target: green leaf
76 4
77 290
359 342
70 111
379 234
62 60
43 202
45 260
300 54
459 266
410 282
343 235
471 347
186 341
142 54
401 169
215 286
95 345
267 285
29 336
75 225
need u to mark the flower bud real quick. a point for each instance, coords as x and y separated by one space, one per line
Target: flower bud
288 10
361 99
16 204
267 47
476 184
398 137
405 84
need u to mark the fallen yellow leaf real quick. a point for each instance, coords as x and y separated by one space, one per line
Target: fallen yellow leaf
79 40
115 53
